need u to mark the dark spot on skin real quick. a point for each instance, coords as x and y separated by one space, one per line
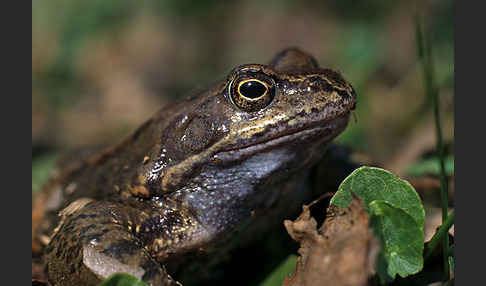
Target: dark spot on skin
80 264
105 230
149 225
72 251
151 270
121 247
58 253
73 269
301 113
259 134
86 228
343 94
64 244
326 86
181 236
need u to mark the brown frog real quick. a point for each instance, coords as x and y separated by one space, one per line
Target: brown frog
197 179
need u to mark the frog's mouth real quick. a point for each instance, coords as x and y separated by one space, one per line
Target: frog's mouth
318 132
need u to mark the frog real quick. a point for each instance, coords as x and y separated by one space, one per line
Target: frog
197 179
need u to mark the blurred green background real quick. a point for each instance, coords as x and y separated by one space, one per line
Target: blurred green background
101 68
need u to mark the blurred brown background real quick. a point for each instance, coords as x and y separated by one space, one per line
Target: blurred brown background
100 68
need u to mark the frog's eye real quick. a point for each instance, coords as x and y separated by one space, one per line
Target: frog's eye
252 92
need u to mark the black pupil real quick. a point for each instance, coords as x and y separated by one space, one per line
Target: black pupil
252 89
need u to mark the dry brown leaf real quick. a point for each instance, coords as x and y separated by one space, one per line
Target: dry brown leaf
341 252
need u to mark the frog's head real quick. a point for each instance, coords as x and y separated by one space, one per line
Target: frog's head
290 102
263 123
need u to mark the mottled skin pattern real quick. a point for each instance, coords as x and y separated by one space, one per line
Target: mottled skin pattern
191 176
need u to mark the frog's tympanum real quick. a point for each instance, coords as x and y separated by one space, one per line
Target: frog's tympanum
197 178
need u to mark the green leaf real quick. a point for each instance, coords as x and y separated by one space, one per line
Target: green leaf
402 241
122 279
285 268
396 215
370 184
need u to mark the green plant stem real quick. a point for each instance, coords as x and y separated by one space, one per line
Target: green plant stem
443 178
439 235
433 92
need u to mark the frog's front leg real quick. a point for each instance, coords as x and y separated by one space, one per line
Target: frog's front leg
96 239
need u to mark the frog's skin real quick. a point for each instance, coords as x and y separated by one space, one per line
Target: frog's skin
185 182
